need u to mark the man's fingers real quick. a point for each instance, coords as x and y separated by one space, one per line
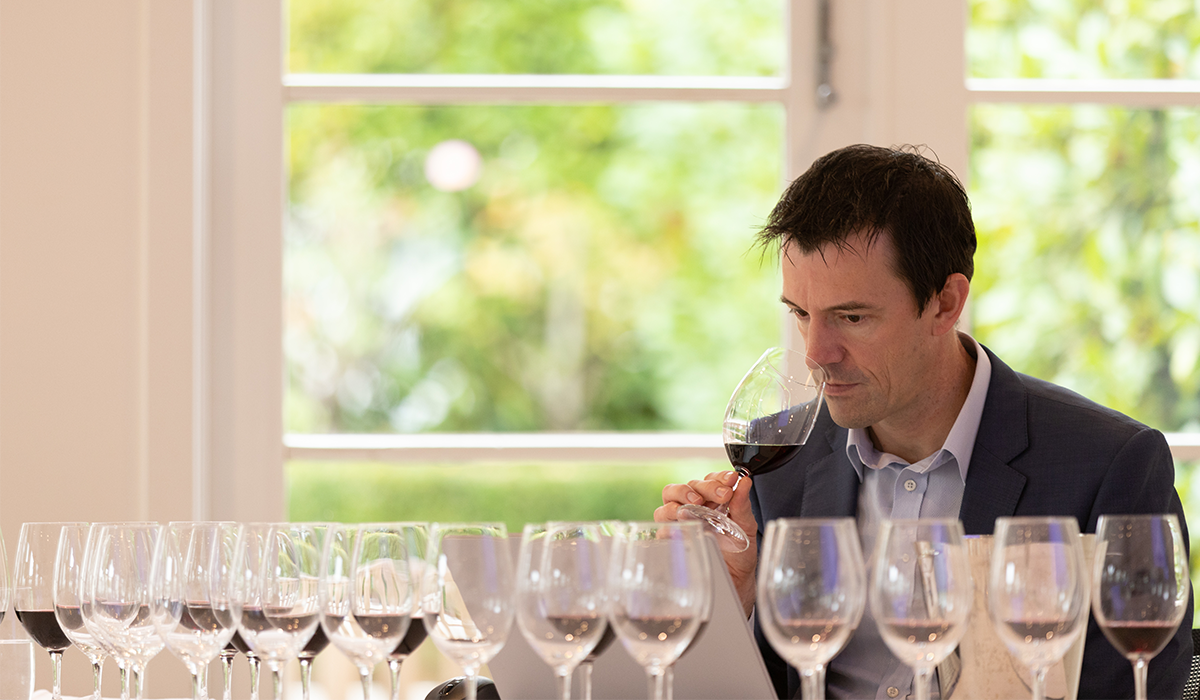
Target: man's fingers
680 493
712 490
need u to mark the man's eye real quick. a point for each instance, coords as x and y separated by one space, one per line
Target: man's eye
799 313
852 318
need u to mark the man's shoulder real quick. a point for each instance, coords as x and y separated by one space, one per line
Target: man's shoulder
1053 408
1054 403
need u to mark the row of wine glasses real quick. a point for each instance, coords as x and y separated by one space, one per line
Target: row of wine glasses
279 591
813 588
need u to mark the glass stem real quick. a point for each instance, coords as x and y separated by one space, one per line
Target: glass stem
227 668
204 681
472 675
254 667
139 674
124 683
562 681
56 674
655 677
305 675
394 663
921 682
669 681
197 687
812 683
723 509
365 675
1139 679
1038 674
277 684
97 675
585 681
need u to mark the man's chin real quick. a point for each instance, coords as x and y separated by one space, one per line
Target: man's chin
847 419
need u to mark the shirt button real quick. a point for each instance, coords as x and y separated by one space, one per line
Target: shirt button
909 485
893 691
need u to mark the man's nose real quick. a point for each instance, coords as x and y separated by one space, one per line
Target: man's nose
822 345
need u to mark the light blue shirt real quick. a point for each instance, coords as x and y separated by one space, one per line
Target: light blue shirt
891 488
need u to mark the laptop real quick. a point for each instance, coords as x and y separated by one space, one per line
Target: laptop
723 663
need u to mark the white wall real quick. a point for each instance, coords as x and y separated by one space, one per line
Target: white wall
95 259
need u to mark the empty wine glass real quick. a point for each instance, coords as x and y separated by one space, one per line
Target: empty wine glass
659 587
68 587
1038 591
418 542
33 592
279 593
921 592
561 594
812 591
769 416
366 593
467 595
117 597
194 592
1140 586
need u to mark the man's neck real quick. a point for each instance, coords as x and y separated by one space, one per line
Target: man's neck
923 429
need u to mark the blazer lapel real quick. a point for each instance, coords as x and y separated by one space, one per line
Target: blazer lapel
830 483
993 488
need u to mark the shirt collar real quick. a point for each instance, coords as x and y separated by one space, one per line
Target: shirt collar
960 443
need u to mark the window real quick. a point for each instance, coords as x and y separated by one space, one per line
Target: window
518 252
1084 169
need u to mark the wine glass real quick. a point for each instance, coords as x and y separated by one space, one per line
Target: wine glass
193 585
921 592
33 592
607 528
68 587
117 598
318 642
1140 586
812 590
279 592
561 594
769 416
659 587
467 594
1038 591
418 542
366 593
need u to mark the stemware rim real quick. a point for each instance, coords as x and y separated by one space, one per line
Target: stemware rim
833 520
1137 517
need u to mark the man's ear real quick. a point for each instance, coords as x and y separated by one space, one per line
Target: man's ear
947 305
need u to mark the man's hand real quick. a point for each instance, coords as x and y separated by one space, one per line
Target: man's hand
714 490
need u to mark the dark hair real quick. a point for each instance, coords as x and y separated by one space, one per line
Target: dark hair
873 190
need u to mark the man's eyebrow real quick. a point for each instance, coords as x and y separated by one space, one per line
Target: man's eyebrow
845 306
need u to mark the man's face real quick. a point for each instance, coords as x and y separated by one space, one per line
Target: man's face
859 321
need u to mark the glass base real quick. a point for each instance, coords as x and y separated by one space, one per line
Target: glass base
730 537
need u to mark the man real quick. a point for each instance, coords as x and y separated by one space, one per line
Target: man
920 420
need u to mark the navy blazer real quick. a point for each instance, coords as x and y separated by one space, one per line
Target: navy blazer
1040 450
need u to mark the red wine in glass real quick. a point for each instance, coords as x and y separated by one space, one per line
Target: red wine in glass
1140 586
769 416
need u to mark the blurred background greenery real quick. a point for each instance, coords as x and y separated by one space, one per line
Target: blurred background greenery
544 267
